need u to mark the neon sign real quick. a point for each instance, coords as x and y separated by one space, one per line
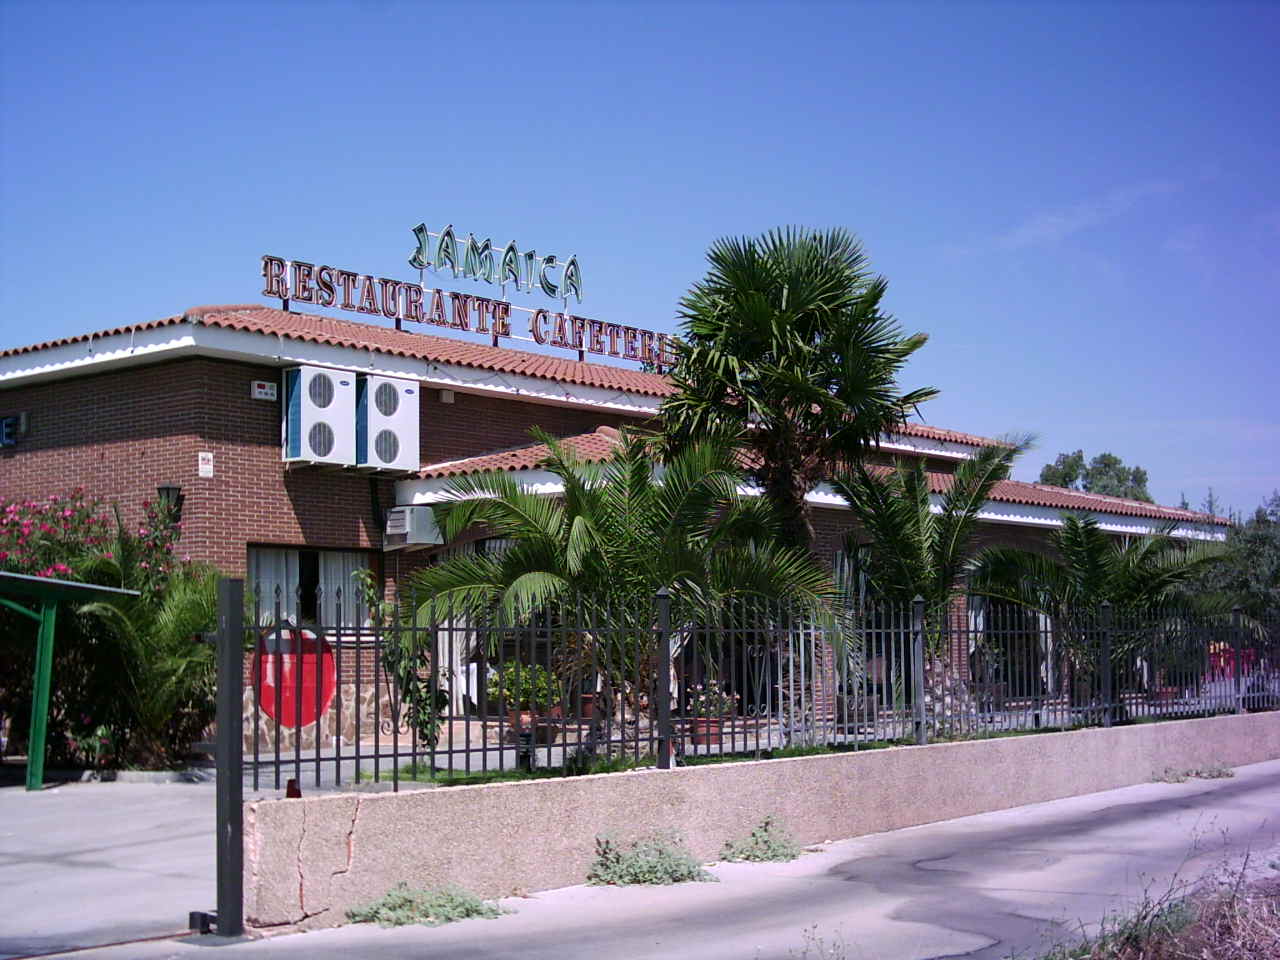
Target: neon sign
479 262
406 302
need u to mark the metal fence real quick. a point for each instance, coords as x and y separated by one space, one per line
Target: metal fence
586 686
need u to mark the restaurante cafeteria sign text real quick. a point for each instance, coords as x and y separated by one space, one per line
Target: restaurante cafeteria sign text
401 301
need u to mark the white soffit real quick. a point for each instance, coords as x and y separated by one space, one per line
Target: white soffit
173 341
433 490
191 339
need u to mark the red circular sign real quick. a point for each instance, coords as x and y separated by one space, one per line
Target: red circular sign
289 661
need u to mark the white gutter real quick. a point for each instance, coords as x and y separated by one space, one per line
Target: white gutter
187 339
434 490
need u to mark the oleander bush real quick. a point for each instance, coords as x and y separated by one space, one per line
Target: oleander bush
130 687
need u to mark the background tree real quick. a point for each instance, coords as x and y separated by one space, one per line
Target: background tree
785 350
1249 572
1106 474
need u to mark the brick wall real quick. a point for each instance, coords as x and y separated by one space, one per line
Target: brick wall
121 434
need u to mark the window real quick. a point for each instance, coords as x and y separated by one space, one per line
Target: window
309 586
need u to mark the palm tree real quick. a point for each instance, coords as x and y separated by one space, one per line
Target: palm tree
619 532
170 677
785 349
1137 577
913 549
1087 567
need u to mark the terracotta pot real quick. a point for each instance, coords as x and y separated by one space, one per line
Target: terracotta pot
705 730
545 727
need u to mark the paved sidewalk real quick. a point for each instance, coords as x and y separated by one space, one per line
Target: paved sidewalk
91 863
988 886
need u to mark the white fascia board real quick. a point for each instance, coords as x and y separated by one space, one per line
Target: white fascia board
434 489
1016 514
1027 515
920 446
98 353
192 339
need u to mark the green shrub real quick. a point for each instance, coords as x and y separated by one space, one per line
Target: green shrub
131 688
657 860
524 686
768 843
402 906
1212 773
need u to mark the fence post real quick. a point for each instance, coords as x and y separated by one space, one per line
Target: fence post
662 695
1237 653
917 668
229 754
1104 641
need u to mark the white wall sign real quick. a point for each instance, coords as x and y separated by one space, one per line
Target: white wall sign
204 463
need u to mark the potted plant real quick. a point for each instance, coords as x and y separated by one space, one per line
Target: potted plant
706 707
527 692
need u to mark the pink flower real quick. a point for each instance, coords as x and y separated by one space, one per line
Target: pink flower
109 555
68 513
4 555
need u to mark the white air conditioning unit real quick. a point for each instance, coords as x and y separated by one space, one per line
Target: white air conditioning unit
319 416
410 527
387 423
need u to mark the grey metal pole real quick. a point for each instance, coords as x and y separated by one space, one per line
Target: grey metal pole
1105 663
662 695
917 668
228 751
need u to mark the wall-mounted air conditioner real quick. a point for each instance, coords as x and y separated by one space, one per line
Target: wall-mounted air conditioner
410 527
319 416
387 423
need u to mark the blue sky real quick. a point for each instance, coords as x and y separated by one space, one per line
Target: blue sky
1079 202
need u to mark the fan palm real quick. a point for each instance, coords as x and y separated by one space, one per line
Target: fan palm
785 348
620 531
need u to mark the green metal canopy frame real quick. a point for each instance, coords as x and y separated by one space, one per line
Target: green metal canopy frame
47 594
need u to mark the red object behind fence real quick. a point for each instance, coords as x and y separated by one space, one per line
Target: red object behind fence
289 659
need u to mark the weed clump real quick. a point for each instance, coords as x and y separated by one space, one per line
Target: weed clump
655 860
402 906
768 843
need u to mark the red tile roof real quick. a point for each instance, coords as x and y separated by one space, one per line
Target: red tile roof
591 447
311 328
598 446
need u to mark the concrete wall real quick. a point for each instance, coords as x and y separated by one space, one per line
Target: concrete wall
308 860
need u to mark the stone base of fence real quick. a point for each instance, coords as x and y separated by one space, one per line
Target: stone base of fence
307 861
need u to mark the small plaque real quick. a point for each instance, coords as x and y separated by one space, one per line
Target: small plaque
204 463
263 390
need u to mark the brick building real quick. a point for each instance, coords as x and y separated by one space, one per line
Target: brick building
194 401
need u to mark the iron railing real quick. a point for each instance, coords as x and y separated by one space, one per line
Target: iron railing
585 686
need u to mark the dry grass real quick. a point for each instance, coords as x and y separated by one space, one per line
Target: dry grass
1231 919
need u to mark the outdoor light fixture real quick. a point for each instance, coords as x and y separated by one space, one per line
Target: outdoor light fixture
171 497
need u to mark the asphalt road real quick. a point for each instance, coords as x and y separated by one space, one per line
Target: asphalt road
1008 883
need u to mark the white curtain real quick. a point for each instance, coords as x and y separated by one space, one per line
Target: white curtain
336 569
274 573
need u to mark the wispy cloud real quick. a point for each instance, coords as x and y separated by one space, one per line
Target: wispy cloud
1051 226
